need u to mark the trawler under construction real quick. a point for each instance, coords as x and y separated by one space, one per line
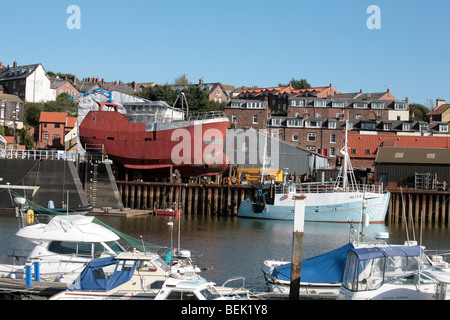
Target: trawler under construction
153 136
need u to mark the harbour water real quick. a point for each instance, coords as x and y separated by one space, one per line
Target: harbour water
231 246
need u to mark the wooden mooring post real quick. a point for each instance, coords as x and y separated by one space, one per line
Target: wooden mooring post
407 207
204 199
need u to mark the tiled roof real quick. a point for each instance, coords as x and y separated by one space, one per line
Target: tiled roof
55 117
361 143
71 121
439 110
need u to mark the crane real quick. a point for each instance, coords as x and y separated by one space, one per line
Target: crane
106 93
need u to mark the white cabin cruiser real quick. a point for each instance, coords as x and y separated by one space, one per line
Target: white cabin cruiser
137 276
400 272
63 247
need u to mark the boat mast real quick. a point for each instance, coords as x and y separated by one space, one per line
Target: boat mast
345 152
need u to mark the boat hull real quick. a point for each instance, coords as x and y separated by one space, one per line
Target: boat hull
194 148
329 207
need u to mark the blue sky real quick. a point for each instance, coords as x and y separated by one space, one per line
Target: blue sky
245 42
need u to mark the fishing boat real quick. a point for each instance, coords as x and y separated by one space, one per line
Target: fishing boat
341 201
156 138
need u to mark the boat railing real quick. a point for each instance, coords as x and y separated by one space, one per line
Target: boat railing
322 187
439 258
205 115
37 154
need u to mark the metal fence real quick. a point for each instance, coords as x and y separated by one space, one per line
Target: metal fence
37 154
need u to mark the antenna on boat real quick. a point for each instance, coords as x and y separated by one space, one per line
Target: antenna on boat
143 245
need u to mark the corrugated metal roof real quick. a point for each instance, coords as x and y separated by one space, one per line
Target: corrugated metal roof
413 155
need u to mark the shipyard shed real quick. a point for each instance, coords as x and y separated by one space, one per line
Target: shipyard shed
395 167
246 149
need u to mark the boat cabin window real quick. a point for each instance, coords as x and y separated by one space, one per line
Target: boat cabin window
370 274
181 295
81 249
363 275
115 246
210 293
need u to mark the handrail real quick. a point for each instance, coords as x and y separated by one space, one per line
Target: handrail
37 155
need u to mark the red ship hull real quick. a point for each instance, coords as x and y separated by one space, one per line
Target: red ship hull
182 145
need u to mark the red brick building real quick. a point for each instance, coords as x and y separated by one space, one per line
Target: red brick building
64 86
53 126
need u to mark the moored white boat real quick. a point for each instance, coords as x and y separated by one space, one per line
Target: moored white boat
386 272
62 248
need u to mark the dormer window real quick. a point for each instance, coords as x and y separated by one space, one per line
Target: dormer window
400 106
297 103
360 105
387 126
377 105
406 127
320 103
331 125
337 104
443 128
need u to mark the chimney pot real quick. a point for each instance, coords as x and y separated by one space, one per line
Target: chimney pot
15 64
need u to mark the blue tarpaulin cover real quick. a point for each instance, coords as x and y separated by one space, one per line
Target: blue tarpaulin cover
378 252
326 268
94 277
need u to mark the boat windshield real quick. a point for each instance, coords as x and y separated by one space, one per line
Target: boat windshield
115 246
210 293
370 274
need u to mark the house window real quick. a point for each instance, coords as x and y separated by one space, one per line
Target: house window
295 123
400 106
332 138
297 103
233 118
45 136
320 103
255 119
311 136
406 127
332 152
360 105
443 128
311 148
295 137
57 125
377 105
56 137
331 125
387 127
353 151
423 127
358 116
235 104
337 104
368 126
275 122
367 151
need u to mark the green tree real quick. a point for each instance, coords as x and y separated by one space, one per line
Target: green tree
419 111
32 113
159 93
182 80
297 84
